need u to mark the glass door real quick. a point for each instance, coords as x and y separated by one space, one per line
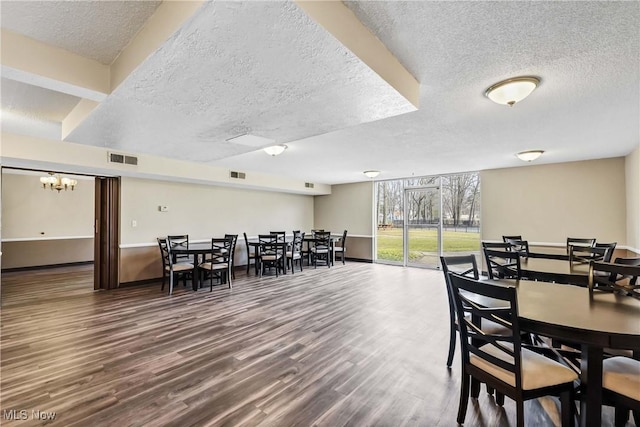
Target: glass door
422 227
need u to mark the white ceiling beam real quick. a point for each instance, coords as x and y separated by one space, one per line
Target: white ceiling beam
343 24
167 19
38 64
76 116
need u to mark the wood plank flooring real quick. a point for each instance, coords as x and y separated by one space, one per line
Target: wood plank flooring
354 345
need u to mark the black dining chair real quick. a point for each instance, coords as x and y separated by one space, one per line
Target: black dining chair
294 253
519 246
577 242
321 249
615 277
271 253
506 239
219 263
609 249
464 265
251 255
282 235
342 248
502 264
232 258
171 268
621 388
500 361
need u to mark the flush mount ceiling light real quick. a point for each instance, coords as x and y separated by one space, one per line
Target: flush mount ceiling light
511 91
371 174
529 156
275 150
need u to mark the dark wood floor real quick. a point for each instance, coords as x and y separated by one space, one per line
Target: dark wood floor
358 345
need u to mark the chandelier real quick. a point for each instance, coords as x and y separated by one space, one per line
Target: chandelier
55 182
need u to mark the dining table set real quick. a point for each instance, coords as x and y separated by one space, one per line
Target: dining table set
559 298
275 251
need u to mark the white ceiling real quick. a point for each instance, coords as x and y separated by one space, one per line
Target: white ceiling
268 69
94 29
35 102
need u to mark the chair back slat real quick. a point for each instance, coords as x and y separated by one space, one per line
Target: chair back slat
281 235
181 241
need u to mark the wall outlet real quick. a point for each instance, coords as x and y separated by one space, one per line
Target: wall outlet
134 223
163 208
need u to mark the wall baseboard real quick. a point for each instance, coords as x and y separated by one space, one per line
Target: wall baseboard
41 267
368 261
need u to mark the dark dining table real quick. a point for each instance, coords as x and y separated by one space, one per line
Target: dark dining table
593 319
197 250
555 270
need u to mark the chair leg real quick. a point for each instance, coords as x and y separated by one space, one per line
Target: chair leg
452 345
566 408
621 416
520 413
475 388
464 397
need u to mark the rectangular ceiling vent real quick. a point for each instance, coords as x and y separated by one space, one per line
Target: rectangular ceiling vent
308 185
123 159
237 175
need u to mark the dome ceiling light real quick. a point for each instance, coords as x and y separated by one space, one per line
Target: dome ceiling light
511 91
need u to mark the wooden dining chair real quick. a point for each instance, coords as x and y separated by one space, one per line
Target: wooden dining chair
321 249
609 249
219 263
499 360
615 277
464 265
232 258
577 242
251 255
294 253
505 246
502 264
282 235
519 246
271 253
342 249
621 388
506 239
170 268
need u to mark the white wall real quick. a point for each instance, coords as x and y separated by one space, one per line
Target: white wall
632 177
204 211
44 227
548 203
349 207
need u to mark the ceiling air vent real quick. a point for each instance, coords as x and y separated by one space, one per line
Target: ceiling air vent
121 158
237 175
308 184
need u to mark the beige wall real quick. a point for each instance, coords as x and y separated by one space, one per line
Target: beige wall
632 174
548 203
202 212
44 227
350 207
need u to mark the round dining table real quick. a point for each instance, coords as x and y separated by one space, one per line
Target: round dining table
590 318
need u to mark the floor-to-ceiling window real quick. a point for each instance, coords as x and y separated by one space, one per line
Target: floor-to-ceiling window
419 219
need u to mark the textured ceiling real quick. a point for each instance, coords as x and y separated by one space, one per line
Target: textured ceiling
94 29
267 69
587 106
35 102
260 67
